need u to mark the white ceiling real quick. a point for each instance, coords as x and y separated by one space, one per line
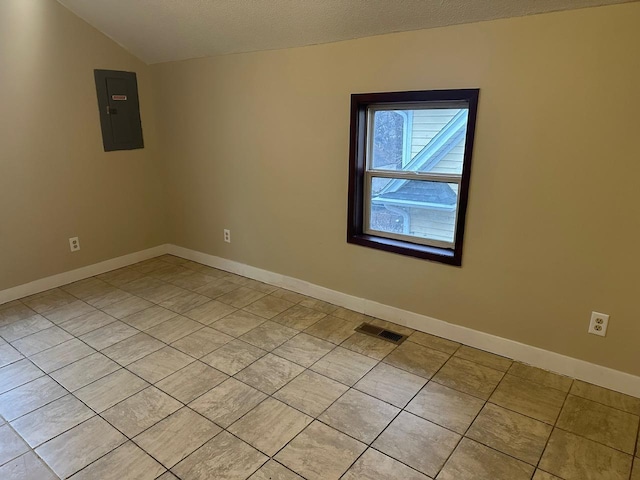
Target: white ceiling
166 30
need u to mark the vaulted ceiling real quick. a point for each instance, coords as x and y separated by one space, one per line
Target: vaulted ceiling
167 30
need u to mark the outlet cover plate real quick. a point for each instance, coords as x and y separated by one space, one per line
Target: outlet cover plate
74 244
598 324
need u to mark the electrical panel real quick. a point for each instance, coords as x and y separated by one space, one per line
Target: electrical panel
119 110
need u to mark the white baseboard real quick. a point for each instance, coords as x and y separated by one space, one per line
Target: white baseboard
538 357
555 362
64 278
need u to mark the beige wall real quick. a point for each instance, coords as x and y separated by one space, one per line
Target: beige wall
258 143
55 179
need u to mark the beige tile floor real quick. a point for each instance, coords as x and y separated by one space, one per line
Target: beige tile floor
170 369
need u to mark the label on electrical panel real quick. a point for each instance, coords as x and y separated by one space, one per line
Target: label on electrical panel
118 97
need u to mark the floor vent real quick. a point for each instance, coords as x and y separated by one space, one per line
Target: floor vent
381 333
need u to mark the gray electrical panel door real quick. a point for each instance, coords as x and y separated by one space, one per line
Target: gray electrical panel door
119 110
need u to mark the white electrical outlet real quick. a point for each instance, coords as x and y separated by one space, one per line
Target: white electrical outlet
227 235
599 323
74 244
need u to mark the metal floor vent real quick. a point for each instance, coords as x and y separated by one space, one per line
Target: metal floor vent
381 333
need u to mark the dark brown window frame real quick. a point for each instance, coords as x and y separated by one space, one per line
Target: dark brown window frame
357 165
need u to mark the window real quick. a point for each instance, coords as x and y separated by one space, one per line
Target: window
410 160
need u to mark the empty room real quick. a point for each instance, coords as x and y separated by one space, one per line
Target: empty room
319 239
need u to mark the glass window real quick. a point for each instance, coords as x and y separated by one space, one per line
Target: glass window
410 165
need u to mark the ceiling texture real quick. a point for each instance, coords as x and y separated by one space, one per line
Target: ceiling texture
167 30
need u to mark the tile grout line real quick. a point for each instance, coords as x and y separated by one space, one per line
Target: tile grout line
488 402
370 445
31 450
34 449
150 385
271 351
461 436
96 414
99 414
350 387
554 426
334 347
271 396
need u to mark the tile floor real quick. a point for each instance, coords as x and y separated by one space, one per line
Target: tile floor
170 369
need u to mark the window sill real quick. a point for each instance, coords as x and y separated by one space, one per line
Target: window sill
436 254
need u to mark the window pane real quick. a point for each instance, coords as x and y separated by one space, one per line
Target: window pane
388 139
419 140
416 208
